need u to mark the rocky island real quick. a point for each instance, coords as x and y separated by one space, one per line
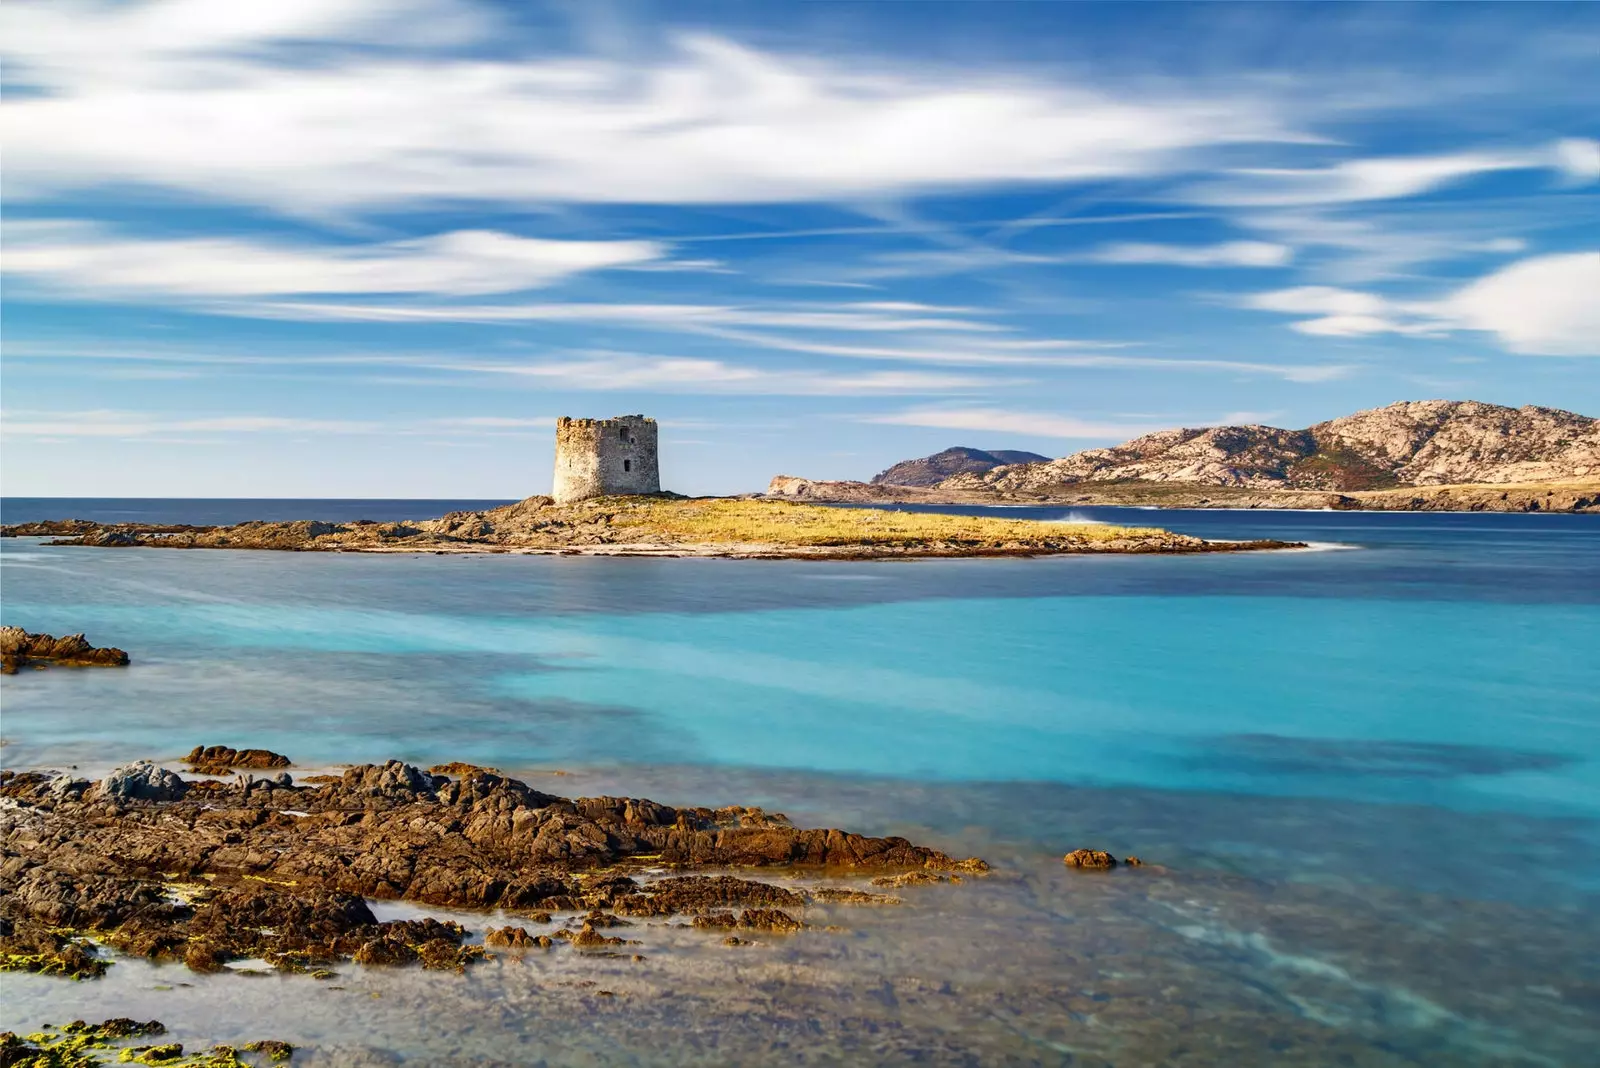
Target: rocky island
659 526
1410 456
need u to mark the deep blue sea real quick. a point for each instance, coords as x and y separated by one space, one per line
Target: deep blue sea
1376 763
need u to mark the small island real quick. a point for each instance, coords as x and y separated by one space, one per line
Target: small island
608 502
660 525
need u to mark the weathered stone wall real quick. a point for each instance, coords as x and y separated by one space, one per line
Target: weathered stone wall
604 457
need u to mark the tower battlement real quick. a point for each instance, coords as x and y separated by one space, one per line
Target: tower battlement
605 457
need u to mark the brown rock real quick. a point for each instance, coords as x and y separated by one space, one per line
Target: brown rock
219 758
18 648
1090 860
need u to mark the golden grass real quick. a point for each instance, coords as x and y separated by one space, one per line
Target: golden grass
786 523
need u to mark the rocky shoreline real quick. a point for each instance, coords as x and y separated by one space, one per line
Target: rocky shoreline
213 871
641 526
1554 497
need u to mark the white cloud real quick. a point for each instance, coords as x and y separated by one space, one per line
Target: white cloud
1546 305
1227 254
1317 300
83 258
680 374
1543 305
204 98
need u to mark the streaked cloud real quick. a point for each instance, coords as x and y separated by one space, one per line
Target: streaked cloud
1390 178
84 259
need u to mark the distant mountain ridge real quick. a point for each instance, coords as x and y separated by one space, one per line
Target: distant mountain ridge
957 460
1411 443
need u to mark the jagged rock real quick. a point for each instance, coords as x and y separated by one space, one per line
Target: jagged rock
18 648
508 938
768 920
221 758
1090 859
213 873
141 781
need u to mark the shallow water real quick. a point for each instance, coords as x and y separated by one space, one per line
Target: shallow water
1368 774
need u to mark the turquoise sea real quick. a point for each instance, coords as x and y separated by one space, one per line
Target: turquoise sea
1370 770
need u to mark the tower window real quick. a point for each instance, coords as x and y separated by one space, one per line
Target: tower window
627 465
622 432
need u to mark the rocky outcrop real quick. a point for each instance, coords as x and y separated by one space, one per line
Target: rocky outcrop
142 781
1412 443
210 872
220 759
18 648
957 460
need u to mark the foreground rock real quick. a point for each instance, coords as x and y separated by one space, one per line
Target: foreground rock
20 649
657 526
214 872
118 1042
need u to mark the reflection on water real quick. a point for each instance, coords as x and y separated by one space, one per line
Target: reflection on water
1365 781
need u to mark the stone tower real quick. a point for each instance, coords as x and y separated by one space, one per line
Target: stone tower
604 457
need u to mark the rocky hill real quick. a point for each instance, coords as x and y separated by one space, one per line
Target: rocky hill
957 460
1412 443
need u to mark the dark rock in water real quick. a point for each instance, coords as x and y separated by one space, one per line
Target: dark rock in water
272 1049
1090 859
693 893
218 759
141 781
19 648
768 920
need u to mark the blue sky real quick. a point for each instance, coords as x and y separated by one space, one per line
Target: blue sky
374 247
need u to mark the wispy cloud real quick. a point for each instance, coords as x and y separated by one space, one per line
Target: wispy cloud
1226 254
1006 421
85 259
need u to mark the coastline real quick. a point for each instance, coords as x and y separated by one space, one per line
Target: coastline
1581 496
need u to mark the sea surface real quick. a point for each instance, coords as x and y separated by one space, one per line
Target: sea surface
1366 777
